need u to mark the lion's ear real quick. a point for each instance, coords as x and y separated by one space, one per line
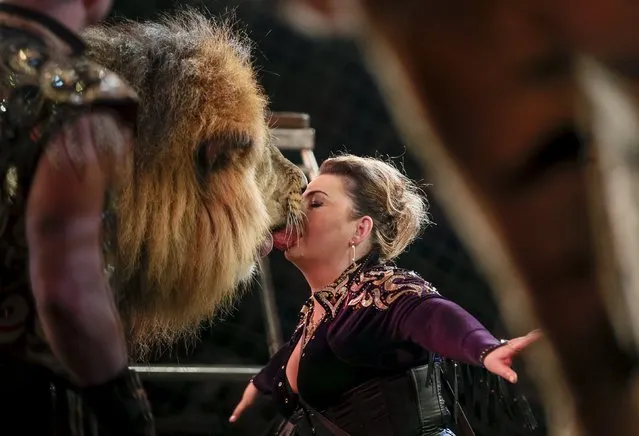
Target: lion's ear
214 153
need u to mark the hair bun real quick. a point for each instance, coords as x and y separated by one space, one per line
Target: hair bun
407 212
396 204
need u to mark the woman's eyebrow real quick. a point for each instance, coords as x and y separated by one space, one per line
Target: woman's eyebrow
315 191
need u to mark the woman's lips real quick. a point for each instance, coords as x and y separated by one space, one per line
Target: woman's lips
284 239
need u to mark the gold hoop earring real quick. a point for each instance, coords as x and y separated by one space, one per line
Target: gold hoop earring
352 252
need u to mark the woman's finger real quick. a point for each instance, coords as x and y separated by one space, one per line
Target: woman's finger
518 344
249 395
239 409
509 375
503 370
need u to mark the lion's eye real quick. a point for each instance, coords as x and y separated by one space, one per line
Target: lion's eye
215 153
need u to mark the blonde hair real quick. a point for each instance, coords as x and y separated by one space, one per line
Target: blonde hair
397 206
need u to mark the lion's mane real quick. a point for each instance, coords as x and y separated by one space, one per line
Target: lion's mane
193 207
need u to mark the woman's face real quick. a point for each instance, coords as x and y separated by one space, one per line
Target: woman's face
329 227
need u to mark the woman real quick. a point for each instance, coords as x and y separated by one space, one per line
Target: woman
358 362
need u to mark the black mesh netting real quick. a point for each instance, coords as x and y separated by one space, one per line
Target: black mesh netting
327 80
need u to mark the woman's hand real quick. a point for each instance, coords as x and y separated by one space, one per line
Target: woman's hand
500 359
248 398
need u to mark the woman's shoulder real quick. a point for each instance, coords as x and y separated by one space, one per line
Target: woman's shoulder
381 285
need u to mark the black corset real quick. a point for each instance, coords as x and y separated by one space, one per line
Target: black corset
407 404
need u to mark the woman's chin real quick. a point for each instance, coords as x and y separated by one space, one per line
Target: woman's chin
289 255
293 253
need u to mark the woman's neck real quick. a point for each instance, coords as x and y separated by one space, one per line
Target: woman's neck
323 275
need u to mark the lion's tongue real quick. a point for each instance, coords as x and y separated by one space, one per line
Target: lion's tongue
283 239
266 246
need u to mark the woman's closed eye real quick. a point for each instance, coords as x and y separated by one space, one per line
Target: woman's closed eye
315 199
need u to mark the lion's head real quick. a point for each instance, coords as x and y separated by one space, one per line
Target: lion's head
206 185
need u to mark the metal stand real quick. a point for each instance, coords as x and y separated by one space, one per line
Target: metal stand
291 131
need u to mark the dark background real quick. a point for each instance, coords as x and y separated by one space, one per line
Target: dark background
327 80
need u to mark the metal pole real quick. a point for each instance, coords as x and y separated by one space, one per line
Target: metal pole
269 308
195 372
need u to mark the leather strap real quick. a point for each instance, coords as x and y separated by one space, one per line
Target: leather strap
460 419
330 425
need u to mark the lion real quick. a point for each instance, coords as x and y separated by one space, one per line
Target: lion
206 186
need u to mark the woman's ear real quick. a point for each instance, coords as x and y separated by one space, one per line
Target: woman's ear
363 230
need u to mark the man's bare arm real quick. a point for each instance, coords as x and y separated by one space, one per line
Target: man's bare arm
64 210
64 233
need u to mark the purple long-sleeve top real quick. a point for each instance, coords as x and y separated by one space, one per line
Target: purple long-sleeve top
380 320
